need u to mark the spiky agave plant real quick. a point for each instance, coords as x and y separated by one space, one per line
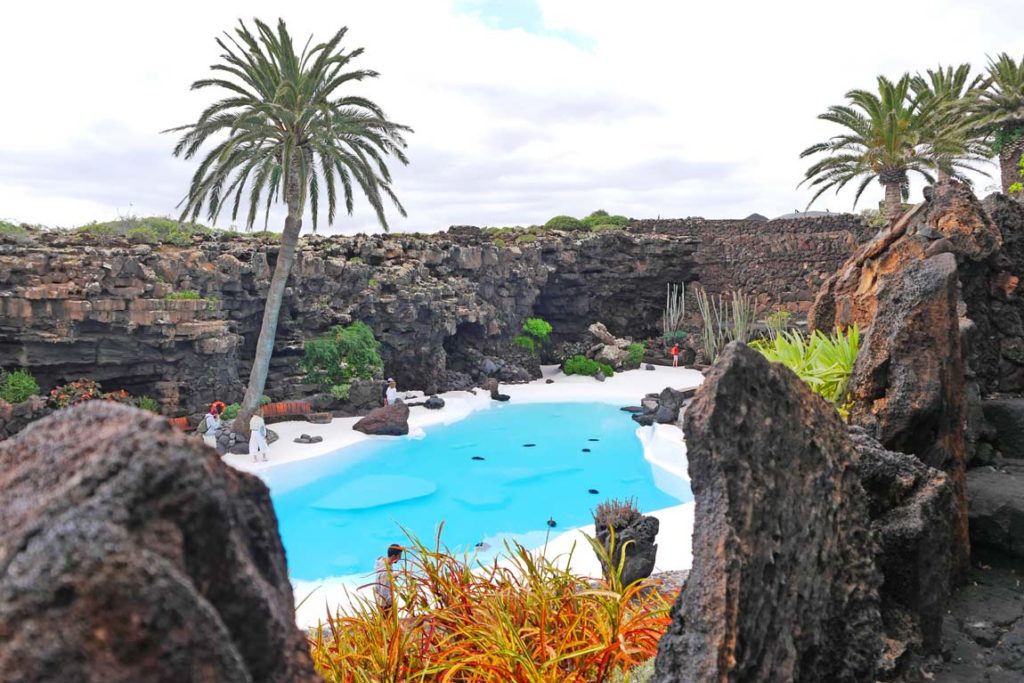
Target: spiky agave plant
286 130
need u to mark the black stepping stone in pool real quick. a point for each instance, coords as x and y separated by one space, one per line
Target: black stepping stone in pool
593 439
476 457
586 450
529 445
593 491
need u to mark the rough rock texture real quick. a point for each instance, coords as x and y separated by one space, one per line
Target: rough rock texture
908 380
951 214
136 555
74 305
984 632
390 420
783 585
912 509
996 504
635 538
664 408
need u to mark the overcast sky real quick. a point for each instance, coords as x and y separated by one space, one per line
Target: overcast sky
522 109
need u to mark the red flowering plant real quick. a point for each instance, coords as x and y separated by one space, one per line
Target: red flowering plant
74 393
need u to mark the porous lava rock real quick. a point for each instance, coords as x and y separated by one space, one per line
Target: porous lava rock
635 538
908 379
912 509
390 420
952 214
130 552
783 585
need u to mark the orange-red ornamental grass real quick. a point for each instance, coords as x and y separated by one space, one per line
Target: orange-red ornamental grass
520 618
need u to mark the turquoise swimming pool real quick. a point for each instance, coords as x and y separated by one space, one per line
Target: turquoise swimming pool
499 473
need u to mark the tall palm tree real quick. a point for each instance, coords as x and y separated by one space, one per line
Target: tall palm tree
286 131
951 134
1000 106
884 140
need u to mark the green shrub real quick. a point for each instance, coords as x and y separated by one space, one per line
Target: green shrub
824 363
340 391
581 365
600 220
148 403
526 239
183 295
231 411
343 354
355 260
1018 187
564 223
675 336
498 242
636 354
265 400
372 283
17 386
147 230
538 328
14 232
525 343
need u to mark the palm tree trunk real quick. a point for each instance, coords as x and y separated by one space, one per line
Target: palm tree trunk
1009 163
893 206
271 312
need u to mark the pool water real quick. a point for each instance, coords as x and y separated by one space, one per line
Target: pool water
499 473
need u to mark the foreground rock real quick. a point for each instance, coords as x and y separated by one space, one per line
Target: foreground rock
136 555
633 546
783 585
385 421
913 510
908 380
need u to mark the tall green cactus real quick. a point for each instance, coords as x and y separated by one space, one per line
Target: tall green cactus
675 309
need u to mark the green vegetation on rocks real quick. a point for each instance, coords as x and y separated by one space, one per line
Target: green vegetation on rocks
344 354
823 362
17 386
183 295
146 230
581 365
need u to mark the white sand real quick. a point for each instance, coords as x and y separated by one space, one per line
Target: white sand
663 448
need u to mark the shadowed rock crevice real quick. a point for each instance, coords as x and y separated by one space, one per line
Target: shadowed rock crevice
137 555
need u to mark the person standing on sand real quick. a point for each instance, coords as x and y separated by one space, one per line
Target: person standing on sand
211 426
391 394
382 586
384 391
675 355
258 437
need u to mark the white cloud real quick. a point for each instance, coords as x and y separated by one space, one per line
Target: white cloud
644 108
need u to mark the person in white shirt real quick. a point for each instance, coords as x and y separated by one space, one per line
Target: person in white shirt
392 393
213 424
382 584
258 437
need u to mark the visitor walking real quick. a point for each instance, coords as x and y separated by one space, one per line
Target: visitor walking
675 355
382 587
384 390
391 394
210 429
258 437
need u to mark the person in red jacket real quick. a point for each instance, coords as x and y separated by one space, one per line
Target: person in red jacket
675 355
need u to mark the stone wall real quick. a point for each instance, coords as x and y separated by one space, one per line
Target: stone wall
71 306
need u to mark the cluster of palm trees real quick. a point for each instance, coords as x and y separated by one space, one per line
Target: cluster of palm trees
939 124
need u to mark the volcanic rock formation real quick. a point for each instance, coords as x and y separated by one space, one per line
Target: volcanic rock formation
783 585
129 552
